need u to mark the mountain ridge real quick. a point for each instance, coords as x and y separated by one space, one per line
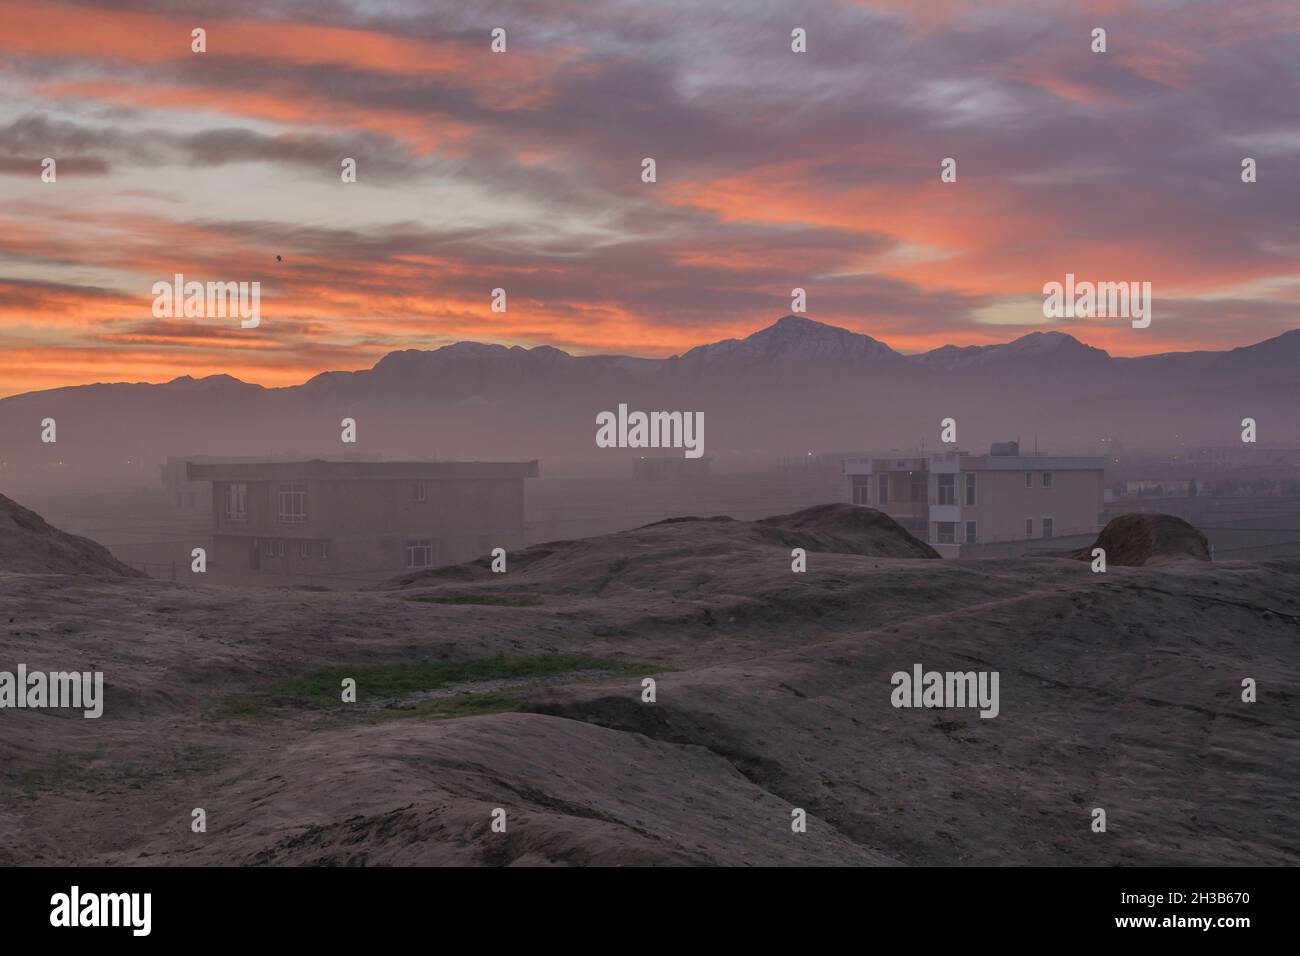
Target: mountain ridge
796 383
792 340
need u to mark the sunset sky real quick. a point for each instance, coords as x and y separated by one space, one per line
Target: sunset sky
522 170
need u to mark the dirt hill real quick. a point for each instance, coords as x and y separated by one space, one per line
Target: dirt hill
647 557
846 529
30 545
1140 540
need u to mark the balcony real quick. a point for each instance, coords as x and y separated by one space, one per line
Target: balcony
945 512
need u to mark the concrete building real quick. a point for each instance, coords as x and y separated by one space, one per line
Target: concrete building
968 505
359 517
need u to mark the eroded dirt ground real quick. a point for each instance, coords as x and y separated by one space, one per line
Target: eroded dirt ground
1119 690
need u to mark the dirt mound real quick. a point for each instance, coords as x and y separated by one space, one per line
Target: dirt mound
667 554
1139 540
31 546
656 524
848 529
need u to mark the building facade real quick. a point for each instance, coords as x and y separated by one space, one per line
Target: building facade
359 517
961 503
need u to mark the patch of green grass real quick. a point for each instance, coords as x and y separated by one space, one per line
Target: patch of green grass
322 689
237 706
69 773
495 600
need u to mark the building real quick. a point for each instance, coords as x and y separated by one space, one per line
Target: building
359 517
963 504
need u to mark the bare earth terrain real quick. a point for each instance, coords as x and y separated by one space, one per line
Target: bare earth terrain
523 691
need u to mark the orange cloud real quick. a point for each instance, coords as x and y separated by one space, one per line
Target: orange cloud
975 238
65 30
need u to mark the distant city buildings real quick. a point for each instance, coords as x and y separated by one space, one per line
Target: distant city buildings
1242 456
1142 487
1228 471
956 501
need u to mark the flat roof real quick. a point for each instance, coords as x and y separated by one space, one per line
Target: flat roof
356 470
1028 463
955 462
241 459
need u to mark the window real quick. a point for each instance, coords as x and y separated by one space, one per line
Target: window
1047 479
1029 527
970 532
946 531
917 481
237 501
970 488
419 554
947 489
882 483
1029 479
304 550
293 504
862 489
323 550
421 492
1047 527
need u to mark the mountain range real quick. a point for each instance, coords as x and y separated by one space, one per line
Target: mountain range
795 384
795 344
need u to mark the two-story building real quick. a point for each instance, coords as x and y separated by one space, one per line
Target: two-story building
962 504
358 517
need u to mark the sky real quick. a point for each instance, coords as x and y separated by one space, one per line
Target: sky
522 170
